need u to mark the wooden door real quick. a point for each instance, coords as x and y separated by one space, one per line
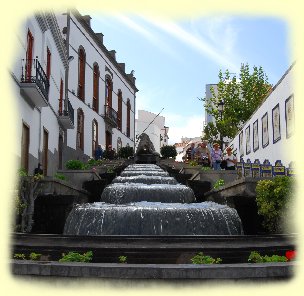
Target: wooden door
25 146
45 151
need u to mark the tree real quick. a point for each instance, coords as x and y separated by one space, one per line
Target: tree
241 98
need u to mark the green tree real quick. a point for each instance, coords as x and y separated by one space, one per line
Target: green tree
168 151
241 98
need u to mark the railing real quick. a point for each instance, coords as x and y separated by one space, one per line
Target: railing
69 112
32 72
111 114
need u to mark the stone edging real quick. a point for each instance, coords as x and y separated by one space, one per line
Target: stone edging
154 271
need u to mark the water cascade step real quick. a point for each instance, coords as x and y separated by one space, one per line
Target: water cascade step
132 208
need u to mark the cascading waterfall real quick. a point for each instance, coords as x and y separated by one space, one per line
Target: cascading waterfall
141 204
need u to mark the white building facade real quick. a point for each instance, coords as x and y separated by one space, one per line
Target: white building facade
269 133
71 93
154 126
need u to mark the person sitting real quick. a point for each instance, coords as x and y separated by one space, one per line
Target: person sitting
230 159
98 152
216 156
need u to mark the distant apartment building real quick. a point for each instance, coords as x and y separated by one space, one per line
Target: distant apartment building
71 92
154 126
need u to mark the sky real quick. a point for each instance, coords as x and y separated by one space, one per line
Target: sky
173 60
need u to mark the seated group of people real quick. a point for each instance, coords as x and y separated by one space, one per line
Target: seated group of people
214 158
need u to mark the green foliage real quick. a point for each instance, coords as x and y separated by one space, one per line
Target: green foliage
19 256
273 200
255 257
218 184
74 164
60 176
92 163
193 163
22 172
122 259
241 98
206 168
168 151
35 256
125 152
200 258
110 170
76 257
19 205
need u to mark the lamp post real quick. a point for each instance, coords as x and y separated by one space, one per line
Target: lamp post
220 106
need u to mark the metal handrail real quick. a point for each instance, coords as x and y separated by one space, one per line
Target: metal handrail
111 114
32 72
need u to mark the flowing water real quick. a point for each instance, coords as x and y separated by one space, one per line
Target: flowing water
140 204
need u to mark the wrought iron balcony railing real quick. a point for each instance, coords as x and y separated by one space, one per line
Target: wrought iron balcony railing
33 73
111 116
66 117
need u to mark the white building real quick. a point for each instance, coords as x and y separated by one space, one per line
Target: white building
154 126
269 133
71 92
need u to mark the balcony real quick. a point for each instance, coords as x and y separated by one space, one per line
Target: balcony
66 117
34 84
110 116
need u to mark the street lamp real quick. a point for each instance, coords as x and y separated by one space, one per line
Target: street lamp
220 107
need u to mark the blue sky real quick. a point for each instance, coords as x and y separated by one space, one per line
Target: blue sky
173 60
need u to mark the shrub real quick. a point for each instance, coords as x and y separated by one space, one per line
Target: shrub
255 257
218 184
22 172
193 163
60 176
122 259
76 257
125 152
19 256
35 256
168 151
273 201
74 164
200 258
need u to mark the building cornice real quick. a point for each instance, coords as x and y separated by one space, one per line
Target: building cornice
59 41
128 77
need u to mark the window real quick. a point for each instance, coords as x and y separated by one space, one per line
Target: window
108 91
95 87
128 117
81 73
119 110
29 56
80 129
94 136
61 97
48 63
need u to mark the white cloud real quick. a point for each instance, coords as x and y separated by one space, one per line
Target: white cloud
183 126
152 37
200 44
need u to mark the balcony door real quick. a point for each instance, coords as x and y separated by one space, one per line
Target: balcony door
25 146
60 151
29 56
108 139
